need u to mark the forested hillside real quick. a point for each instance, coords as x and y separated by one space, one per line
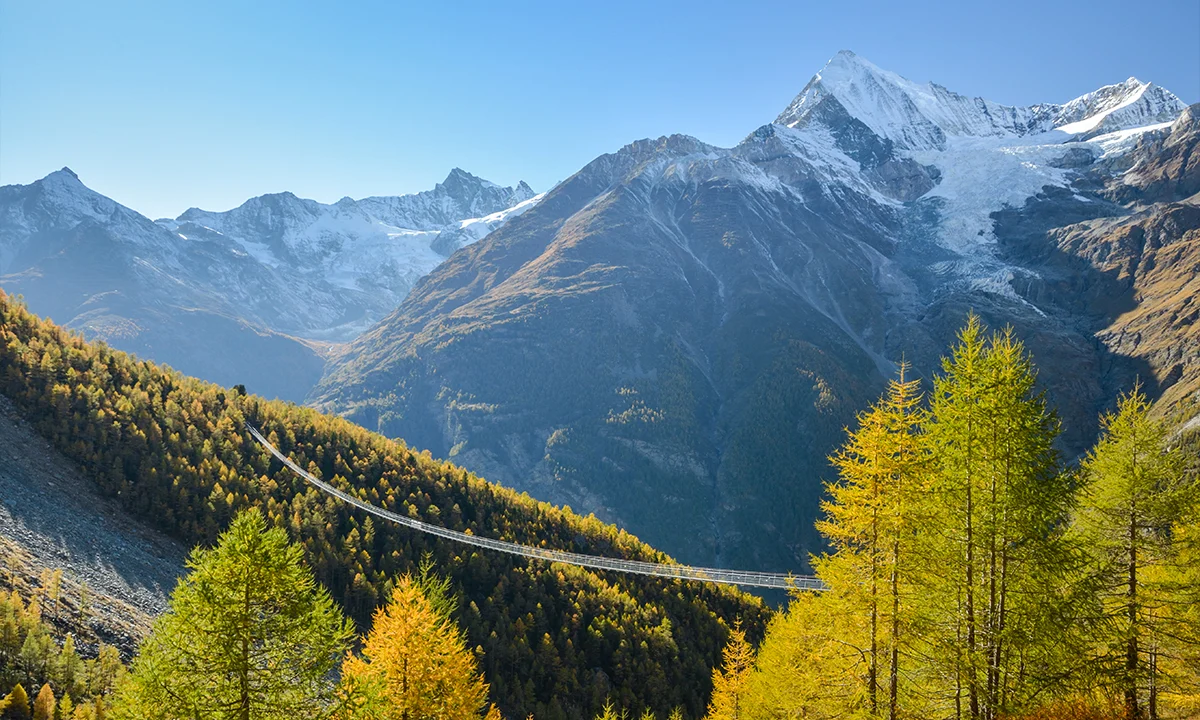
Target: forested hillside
554 641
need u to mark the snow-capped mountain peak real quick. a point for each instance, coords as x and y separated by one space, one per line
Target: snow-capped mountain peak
965 158
66 175
917 116
461 178
63 190
60 202
892 106
1125 105
373 249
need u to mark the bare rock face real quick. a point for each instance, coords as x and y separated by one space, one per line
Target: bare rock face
905 179
1167 168
1151 262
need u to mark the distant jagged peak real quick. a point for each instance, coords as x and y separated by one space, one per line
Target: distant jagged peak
1124 105
466 187
66 174
460 196
60 202
458 177
918 116
254 204
71 200
65 180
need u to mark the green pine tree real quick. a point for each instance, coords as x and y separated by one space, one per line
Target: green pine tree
249 636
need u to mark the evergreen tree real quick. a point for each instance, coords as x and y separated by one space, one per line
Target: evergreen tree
418 660
44 704
729 681
248 636
1136 505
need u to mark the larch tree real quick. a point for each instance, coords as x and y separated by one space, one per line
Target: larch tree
1137 504
16 704
870 518
417 661
809 664
66 708
996 565
44 704
729 680
249 635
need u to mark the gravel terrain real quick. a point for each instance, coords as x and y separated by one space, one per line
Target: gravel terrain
52 517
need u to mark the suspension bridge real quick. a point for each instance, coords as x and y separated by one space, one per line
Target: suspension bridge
784 581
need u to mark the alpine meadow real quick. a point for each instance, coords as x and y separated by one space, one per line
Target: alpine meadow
879 402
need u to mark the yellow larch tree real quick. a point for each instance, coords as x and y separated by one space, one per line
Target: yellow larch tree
416 661
729 680
869 521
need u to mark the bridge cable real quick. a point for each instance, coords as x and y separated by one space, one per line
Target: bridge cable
784 581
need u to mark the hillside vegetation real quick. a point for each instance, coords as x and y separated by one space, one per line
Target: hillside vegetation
551 640
973 574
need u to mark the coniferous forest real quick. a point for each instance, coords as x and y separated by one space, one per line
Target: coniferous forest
553 641
970 571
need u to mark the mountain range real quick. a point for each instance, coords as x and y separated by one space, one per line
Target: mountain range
254 295
674 337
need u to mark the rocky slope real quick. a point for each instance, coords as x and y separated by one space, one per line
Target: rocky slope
250 296
1134 270
674 337
53 518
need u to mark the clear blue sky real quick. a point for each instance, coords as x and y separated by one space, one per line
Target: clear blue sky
165 105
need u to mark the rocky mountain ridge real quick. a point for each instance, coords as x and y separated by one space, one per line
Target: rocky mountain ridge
254 295
674 337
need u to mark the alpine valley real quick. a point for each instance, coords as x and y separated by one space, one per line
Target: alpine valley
675 337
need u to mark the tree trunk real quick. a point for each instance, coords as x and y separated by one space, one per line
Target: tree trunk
894 661
1131 649
972 684
998 659
873 670
992 612
1152 700
958 670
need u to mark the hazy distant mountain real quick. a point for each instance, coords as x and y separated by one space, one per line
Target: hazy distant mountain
354 260
675 336
240 296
